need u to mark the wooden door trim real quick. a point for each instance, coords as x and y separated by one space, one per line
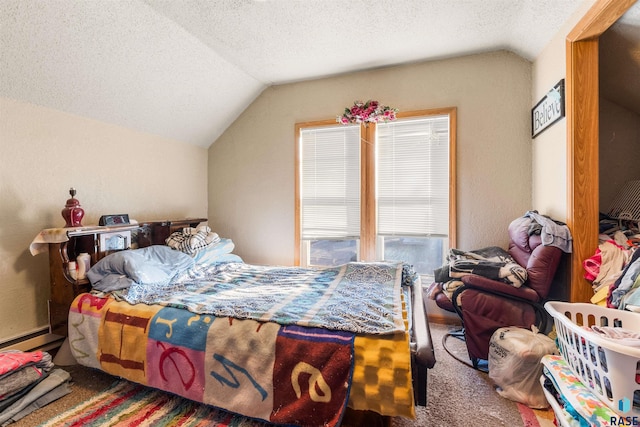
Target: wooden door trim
582 136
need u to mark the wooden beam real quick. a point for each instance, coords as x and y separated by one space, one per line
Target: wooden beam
368 211
583 159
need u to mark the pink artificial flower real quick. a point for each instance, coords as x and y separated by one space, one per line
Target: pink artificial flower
367 112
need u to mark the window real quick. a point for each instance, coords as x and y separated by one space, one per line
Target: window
330 194
383 191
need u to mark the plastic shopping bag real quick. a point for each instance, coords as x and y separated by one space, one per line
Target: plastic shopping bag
514 364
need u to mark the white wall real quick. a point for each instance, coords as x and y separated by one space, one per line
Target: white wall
550 147
43 153
251 166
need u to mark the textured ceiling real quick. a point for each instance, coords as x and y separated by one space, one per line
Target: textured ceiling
279 41
185 69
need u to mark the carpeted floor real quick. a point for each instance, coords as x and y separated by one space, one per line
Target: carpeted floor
457 395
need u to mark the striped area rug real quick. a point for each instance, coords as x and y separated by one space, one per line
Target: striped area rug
536 417
126 404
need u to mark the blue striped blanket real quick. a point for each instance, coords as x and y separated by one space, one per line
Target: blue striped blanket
356 297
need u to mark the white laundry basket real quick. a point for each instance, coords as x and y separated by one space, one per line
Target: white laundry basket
610 370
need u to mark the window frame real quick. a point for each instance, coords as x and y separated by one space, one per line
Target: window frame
368 203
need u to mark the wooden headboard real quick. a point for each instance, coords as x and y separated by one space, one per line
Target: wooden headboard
156 232
91 240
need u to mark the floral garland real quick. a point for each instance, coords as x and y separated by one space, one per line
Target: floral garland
367 112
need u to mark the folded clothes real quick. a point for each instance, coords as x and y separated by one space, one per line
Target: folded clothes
37 396
621 335
18 380
56 393
18 395
11 360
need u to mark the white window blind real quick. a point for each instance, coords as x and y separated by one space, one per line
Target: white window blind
413 177
330 182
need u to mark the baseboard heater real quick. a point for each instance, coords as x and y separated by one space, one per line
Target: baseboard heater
39 339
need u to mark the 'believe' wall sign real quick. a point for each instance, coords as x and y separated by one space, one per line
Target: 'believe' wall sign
548 110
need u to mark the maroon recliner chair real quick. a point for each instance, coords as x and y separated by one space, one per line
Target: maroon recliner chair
485 305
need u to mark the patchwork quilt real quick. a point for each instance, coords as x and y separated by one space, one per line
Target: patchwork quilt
280 374
290 360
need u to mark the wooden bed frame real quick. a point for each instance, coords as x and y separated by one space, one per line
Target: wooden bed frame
88 239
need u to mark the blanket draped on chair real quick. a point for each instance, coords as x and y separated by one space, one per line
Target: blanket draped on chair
491 262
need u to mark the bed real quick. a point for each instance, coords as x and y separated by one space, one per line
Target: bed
285 345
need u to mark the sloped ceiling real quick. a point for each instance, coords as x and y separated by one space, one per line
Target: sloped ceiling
620 61
185 69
